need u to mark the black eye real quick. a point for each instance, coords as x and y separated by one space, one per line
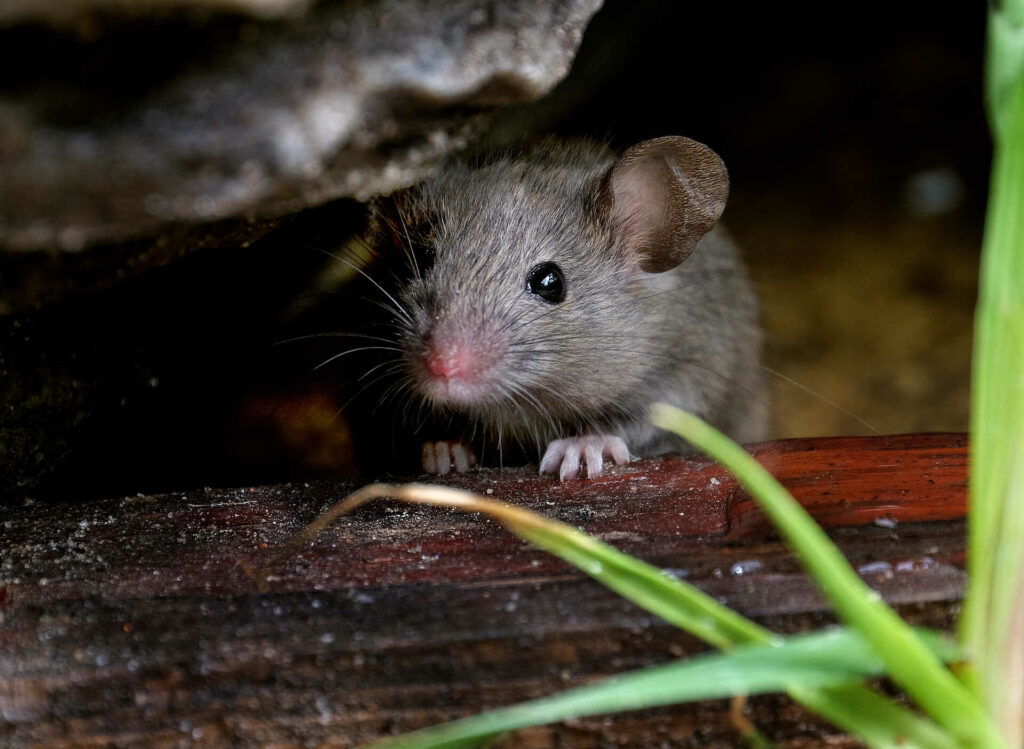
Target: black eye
547 282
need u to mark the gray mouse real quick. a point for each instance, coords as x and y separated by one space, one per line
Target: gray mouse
558 291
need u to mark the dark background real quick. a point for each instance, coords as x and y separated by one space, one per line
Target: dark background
858 152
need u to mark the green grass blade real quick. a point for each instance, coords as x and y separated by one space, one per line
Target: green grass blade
992 626
675 601
876 719
887 725
1004 62
908 660
802 662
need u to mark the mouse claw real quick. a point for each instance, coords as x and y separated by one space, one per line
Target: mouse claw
440 458
567 456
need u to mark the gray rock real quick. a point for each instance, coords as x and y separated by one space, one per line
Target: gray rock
73 13
349 99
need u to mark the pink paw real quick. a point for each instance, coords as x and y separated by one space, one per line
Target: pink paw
566 455
441 457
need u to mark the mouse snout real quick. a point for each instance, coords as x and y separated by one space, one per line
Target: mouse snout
450 359
459 367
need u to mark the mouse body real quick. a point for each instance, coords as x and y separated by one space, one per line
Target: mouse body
556 292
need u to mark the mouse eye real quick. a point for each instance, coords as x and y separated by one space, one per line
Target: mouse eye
547 282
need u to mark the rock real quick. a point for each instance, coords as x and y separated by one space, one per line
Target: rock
74 13
254 118
37 279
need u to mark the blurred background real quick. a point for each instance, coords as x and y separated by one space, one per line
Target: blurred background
859 156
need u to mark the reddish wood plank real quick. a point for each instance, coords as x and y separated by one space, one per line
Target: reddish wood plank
854 481
129 622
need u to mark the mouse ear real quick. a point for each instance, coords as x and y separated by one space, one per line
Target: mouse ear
664 195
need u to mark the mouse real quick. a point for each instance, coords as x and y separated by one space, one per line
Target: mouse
555 292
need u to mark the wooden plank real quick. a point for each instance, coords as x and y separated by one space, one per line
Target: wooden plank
129 622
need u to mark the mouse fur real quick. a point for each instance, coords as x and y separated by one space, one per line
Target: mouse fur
657 306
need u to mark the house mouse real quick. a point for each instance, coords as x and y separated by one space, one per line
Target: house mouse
554 293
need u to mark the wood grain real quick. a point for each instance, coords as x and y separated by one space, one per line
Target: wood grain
129 622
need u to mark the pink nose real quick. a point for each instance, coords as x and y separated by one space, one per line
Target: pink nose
448 361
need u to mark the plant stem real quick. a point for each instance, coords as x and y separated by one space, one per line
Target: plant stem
992 628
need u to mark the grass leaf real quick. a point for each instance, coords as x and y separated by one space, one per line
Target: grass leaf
1004 63
801 662
992 626
908 660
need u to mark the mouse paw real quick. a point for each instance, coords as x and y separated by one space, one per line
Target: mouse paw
440 458
567 455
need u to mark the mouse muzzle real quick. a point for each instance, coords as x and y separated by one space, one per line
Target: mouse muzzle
459 368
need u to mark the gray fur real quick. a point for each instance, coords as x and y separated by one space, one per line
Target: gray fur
621 340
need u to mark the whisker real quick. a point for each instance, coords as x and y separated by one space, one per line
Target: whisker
332 335
821 397
359 392
409 253
325 362
368 277
395 366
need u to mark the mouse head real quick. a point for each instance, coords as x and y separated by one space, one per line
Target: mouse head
536 305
